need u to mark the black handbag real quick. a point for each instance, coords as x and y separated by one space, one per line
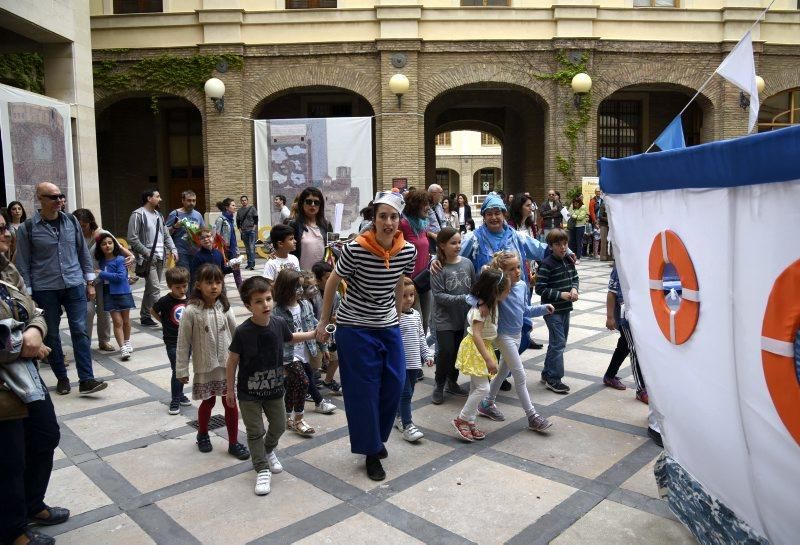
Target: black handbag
143 269
422 281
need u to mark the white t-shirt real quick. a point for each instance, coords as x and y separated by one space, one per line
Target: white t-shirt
285 213
300 349
489 326
275 265
152 223
461 214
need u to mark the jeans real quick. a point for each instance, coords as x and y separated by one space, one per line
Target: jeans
260 441
405 396
95 308
558 327
74 301
26 462
312 384
232 252
249 239
176 386
184 260
151 288
576 240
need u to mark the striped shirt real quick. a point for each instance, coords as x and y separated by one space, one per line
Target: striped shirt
414 344
370 298
555 276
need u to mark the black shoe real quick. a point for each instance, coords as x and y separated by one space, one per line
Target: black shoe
239 451
38 538
204 443
506 386
655 436
91 386
184 401
63 387
174 407
383 453
147 321
375 469
437 397
58 515
557 386
452 387
536 346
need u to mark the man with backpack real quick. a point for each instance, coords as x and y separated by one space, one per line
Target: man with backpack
55 264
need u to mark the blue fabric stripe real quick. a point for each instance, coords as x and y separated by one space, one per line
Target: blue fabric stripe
757 159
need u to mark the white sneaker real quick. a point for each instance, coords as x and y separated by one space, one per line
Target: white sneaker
126 352
411 433
130 347
274 464
398 423
263 482
324 407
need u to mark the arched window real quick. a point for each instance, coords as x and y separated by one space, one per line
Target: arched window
781 110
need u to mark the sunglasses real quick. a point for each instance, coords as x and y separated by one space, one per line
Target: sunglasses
58 197
312 202
3 228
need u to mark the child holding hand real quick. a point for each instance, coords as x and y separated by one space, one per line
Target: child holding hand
476 357
117 297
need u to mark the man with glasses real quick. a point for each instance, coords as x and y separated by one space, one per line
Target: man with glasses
54 261
147 232
179 234
550 212
247 222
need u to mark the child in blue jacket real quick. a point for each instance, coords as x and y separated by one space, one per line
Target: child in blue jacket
117 297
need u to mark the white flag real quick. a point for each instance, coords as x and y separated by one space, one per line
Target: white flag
739 68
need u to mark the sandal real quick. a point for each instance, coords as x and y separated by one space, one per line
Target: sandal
477 434
302 428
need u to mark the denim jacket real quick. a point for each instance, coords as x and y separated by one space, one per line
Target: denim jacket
309 322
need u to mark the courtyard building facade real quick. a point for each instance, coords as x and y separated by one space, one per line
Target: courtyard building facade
501 67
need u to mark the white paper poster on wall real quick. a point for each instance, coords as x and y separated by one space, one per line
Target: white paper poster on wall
331 154
36 133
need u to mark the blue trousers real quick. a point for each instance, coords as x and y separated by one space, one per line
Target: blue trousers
373 370
558 327
249 239
176 386
74 302
408 392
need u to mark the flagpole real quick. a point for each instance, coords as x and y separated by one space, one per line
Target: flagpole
700 90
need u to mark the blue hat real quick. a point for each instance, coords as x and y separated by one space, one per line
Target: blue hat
492 200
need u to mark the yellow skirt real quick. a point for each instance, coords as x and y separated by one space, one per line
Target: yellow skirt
469 361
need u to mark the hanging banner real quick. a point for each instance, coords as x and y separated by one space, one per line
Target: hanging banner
332 154
36 133
720 353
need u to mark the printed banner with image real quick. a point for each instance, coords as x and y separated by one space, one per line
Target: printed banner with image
36 133
331 154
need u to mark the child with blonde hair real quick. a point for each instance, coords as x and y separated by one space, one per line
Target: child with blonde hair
513 310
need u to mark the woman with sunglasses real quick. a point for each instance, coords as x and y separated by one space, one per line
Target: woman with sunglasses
310 227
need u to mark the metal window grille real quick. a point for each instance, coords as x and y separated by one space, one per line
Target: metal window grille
138 6
619 131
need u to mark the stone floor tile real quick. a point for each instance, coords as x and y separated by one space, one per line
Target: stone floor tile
580 333
588 362
228 511
587 304
423 389
541 395
471 497
611 523
119 530
58 454
335 458
617 405
171 461
594 295
591 319
118 391
361 529
609 342
162 379
576 447
50 379
643 481
121 425
71 488
143 358
439 417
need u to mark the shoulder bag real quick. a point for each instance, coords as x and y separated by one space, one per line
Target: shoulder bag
143 269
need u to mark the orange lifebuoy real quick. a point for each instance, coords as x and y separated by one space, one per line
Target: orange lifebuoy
676 325
778 334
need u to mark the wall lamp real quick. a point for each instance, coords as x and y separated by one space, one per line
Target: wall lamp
581 84
398 84
215 90
744 100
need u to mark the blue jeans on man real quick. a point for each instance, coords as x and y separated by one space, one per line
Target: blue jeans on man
74 302
249 240
558 327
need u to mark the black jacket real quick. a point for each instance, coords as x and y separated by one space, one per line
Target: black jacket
299 226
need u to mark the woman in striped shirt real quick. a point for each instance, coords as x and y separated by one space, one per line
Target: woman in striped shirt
371 361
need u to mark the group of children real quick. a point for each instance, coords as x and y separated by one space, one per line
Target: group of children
267 363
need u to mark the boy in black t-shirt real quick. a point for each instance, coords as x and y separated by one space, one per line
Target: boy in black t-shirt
168 310
257 351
